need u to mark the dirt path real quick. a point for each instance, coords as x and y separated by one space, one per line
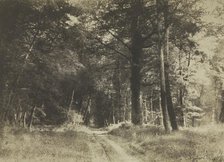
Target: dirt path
105 150
86 145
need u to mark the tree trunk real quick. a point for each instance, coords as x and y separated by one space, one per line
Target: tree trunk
181 93
86 117
136 53
160 20
151 106
181 109
163 92
170 108
24 120
72 100
127 107
31 117
144 107
118 107
215 116
145 111
135 98
193 121
160 115
221 116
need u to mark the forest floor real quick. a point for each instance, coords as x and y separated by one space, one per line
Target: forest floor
124 144
60 146
151 144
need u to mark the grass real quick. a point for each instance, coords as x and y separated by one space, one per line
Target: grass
21 145
148 143
151 144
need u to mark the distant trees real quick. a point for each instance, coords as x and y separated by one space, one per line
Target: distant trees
217 62
217 76
33 40
172 23
130 29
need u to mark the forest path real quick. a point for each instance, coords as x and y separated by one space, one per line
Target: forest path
105 150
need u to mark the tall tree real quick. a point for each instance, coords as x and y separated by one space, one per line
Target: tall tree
163 90
170 107
136 59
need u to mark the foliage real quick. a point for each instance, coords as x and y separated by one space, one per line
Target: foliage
150 143
101 59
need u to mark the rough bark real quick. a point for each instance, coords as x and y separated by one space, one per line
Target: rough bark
118 107
135 90
163 92
160 19
181 93
127 106
136 55
170 108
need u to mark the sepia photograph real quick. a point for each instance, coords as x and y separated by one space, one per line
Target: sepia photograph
111 80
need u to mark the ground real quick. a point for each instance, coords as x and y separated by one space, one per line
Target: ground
61 146
124 144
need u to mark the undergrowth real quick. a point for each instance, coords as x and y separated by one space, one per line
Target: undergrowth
203 144
22 145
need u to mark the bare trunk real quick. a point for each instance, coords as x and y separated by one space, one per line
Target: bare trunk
221 116
215 116
135 98
136 53
87 112
160 20
181 104
170 108
151 108
31 117
71 101
163 92
118 107
24 120
160 115
145 111
127 107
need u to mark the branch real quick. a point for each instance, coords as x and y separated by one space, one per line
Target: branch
107 46
111 48
114 35
154 31
144 84
149 45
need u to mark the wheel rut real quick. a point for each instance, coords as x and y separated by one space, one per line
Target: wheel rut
105 150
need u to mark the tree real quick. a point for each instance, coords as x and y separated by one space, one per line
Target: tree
37 35
162 65
136 55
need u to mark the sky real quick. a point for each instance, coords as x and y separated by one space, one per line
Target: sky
208 44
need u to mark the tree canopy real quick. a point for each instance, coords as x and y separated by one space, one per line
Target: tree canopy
110 61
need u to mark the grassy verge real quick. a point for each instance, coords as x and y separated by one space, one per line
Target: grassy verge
21 145
151 144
